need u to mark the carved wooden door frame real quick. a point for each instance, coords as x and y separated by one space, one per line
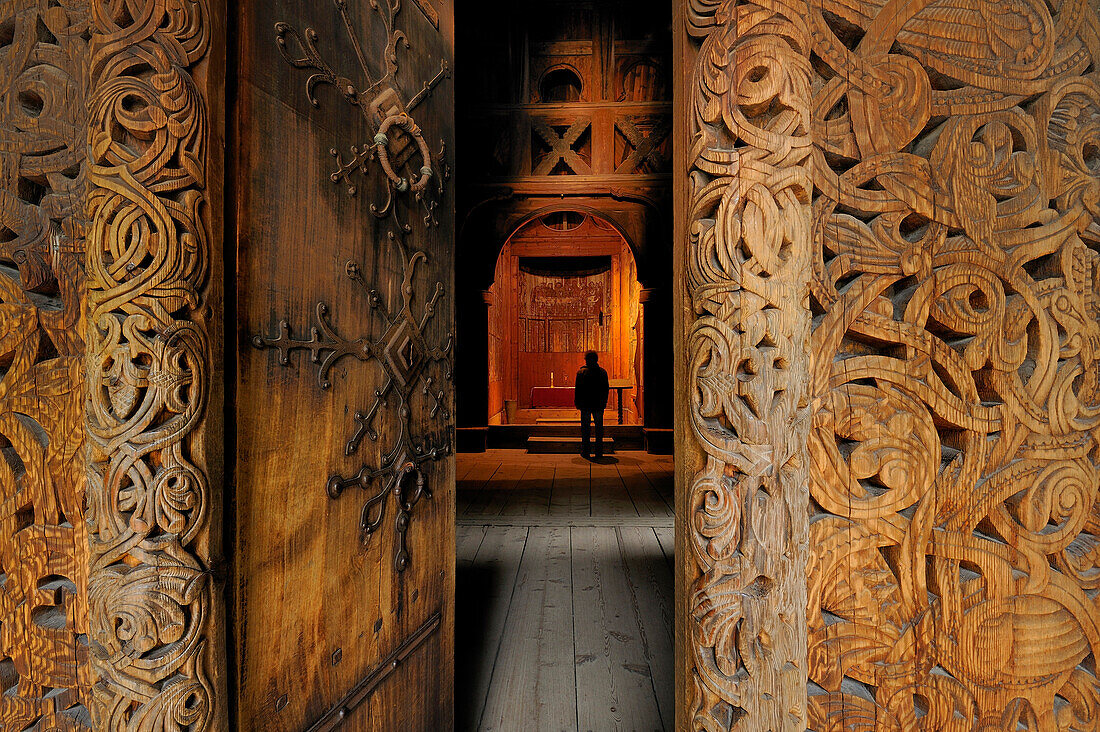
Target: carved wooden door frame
154 218
153 230
743 186
156 578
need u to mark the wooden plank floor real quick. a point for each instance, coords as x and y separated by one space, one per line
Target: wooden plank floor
564 616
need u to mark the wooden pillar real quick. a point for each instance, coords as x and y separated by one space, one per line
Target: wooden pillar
656 357
743 258
154 248
472 357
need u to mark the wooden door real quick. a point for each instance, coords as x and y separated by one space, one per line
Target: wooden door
344 509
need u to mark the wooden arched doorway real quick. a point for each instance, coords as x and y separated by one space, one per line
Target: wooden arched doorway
565 283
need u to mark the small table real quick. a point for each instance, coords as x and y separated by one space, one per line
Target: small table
621 385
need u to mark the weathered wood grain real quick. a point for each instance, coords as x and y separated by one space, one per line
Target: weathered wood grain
572 493
650 578
614 679
485 600
535 682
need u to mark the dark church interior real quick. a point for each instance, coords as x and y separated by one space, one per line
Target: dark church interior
564 149
564 246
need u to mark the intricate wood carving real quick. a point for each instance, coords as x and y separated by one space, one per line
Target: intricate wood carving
746 266
411 365
45 675
956 431
154 605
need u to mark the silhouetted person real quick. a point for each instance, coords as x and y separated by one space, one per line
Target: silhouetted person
590 396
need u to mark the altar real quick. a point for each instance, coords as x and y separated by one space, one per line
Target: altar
552 397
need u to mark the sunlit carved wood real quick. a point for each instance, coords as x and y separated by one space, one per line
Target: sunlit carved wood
154 606
44 667
744 259
956 424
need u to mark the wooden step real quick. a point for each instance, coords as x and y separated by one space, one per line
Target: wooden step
563 445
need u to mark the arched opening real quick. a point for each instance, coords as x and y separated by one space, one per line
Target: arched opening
565 283
561 85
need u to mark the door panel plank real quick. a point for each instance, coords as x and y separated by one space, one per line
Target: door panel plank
345 473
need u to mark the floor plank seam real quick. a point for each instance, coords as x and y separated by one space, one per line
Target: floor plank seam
500 641
636 610
573 601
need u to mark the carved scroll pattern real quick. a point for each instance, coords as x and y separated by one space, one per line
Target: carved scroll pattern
747 270
44 667
152 598
956 424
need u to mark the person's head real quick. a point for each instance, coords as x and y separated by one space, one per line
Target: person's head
591 358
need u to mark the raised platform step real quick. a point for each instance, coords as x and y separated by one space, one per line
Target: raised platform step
626 437
572 430
563 445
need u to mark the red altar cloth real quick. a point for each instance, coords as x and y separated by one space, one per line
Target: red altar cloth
552 397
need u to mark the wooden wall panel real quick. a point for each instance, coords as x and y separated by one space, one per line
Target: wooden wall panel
45 674
743 364
153 262
955 446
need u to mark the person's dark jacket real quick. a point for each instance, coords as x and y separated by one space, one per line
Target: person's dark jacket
591 389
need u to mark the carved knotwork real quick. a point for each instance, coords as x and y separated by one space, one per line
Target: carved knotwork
410 365
45 676
153 604
956 425
746 266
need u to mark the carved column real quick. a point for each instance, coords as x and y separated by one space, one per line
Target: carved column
744 265
153 251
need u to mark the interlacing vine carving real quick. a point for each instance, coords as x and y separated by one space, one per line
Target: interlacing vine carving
414 370
955 443
152 598
44 667
747 270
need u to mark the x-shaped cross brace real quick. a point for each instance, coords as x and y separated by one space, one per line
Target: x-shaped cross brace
561 147
645 146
